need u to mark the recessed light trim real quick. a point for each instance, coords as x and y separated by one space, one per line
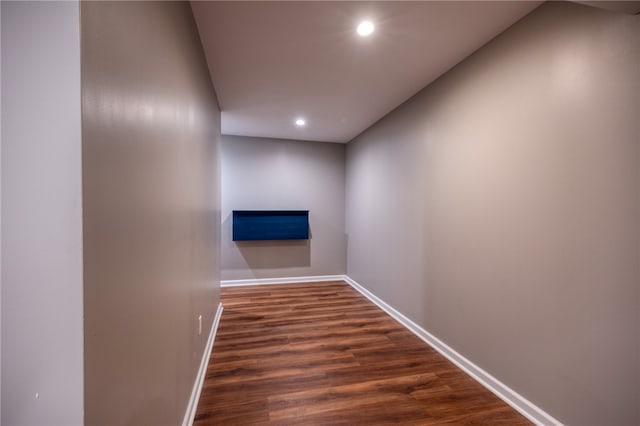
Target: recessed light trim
301 122
365 28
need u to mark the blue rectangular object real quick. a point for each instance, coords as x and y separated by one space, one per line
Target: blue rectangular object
255 225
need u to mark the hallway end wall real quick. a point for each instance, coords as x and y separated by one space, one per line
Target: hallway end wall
276 174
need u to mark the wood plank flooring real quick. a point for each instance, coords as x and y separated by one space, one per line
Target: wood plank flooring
322 354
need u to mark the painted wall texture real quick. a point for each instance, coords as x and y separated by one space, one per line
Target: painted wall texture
151 158
499 209
42 366
275 174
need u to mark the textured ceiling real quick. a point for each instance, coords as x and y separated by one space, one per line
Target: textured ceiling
272 62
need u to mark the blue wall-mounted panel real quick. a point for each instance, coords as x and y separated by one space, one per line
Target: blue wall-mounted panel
253 225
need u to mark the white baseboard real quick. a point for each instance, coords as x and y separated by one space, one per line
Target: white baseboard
204 362
502 391
287 280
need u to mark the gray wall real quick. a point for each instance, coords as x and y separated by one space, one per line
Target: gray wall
41 215
151 209
273 174
499 209
0 221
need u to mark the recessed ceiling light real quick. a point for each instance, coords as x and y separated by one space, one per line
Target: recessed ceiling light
365 28
300 122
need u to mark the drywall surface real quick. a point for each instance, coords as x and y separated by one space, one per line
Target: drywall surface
0 219
274 174
499 209
42 368
151 209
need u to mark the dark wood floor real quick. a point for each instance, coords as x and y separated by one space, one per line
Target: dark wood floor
322 354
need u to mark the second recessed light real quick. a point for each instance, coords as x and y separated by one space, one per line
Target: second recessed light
300 122
365 28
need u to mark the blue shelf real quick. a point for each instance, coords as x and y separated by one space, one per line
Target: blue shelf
257 225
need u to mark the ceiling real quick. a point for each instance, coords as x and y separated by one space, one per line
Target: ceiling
273 62
626 6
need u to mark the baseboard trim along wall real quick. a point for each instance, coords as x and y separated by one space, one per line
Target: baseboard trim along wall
190 414
502 391
287 280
